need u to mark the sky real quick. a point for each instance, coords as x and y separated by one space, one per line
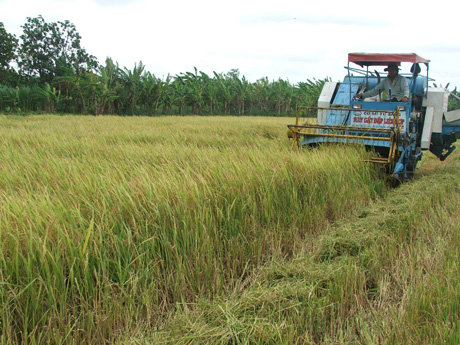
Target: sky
289 39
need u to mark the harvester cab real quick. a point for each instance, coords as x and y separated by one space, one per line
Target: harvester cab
397 131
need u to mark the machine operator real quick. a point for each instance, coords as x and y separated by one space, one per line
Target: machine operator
395 86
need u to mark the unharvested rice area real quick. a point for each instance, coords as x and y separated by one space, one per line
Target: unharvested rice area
110 225
389 275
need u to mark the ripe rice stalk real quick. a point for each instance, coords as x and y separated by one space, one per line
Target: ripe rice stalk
110 222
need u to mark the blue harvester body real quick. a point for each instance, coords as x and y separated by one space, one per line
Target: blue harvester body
398 131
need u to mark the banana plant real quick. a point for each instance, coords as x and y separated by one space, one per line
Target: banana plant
133 83
110 80
262 93
211 91
196 86
307 93
50 96
93 90
26 97
241 90
154 90
180 93
167 99
225 88
9 98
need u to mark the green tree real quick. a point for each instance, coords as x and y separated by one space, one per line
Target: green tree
8 46
47 48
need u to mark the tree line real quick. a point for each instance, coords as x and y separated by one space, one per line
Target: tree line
47 70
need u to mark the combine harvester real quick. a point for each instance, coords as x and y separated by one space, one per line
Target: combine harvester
397 131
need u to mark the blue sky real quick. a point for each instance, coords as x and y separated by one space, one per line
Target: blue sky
287 39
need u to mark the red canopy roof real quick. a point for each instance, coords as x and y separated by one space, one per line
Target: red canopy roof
370 59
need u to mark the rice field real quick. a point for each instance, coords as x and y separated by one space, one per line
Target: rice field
389 275
110 226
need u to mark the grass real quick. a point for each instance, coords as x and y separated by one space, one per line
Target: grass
108 224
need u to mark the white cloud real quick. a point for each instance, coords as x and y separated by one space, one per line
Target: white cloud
115 3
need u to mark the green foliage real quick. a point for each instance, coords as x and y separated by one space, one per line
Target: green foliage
454 100
310 91
48 48
50 96
66 79
8 46
138 92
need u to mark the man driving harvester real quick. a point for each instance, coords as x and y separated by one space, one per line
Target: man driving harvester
395 86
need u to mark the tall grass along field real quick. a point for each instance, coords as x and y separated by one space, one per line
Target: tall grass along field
109 226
